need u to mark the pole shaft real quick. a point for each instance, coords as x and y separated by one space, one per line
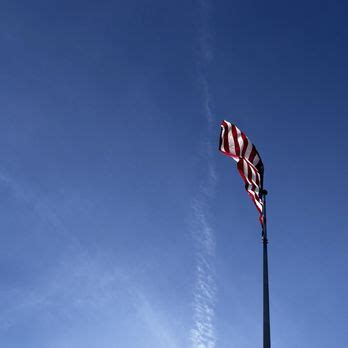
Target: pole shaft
266 320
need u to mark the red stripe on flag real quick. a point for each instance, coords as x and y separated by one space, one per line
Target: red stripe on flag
226 143
235 138
245 143
252 154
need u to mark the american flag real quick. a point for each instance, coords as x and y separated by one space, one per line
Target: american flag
236 144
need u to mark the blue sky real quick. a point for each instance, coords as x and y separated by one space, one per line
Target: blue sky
121 224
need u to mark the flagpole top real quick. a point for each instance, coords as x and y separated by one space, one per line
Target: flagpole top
264 192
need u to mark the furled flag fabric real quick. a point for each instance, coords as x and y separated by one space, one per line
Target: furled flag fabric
236 144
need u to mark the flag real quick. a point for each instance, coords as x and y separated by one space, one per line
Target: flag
236 144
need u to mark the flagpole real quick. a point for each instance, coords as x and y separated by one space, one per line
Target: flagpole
266 320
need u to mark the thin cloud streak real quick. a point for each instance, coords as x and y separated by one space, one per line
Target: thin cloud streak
81 285
203 334
84 289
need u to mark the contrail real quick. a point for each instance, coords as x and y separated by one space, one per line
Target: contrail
205 292
203 332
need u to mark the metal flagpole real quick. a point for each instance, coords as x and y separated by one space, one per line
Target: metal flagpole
266 321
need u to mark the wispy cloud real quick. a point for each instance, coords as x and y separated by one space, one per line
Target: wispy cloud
42 206
79 289
203 334
155 321
86 289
